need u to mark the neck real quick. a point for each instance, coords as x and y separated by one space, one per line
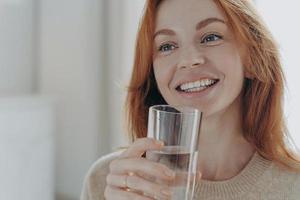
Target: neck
223 151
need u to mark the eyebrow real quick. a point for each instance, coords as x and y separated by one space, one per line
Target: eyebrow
208 21
199 26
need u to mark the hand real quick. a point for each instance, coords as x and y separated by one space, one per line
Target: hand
132 177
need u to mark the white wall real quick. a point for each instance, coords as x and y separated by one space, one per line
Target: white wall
70 68
122 18
27 120
17 47
282 19
85 58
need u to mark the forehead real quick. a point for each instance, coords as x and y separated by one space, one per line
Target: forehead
176 13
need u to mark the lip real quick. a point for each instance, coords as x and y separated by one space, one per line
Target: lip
190 80
198 94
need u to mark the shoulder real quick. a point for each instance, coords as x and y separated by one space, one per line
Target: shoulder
276 182
286 181
95 179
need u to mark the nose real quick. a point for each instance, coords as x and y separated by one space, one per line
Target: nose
191 58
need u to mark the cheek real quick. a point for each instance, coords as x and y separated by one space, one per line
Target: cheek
229 63
163 71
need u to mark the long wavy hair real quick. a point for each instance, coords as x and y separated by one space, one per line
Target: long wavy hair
263 120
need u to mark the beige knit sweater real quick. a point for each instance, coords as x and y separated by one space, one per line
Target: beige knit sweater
260 179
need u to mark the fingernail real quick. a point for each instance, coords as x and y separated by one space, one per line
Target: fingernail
166 192
170 173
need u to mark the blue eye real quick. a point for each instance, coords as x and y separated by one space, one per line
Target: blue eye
166 47
211 38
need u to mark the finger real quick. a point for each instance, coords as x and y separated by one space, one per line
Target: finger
118 180
138 148
141 165
112 193
153 190
151 178
139 184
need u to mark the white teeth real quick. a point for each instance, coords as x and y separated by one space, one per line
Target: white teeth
195 86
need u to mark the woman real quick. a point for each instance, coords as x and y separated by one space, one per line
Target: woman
217 56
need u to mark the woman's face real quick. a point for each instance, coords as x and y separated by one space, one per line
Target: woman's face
196 59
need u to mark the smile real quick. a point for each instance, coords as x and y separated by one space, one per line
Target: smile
197 86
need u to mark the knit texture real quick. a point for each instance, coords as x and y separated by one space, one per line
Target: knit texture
260 179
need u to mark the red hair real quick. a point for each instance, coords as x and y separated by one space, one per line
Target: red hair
262 97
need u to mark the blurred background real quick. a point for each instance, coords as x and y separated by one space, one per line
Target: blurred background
64 66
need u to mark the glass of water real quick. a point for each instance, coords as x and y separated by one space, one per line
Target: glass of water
179 128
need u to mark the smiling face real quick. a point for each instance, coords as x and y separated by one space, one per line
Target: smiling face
196 59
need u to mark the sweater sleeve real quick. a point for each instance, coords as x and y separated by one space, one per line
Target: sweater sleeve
94 186
95 181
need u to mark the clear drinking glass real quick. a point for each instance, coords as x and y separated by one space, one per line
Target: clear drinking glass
179 128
